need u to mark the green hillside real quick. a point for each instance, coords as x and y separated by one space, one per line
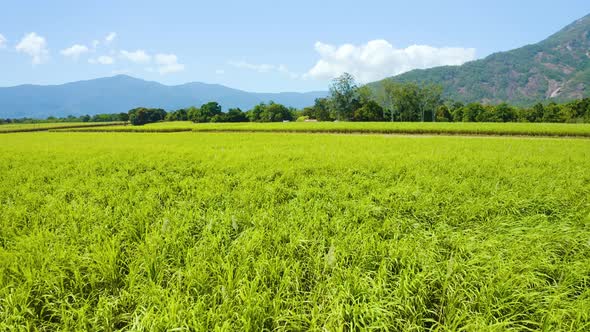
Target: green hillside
557 68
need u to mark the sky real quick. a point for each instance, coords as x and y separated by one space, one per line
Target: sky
262 46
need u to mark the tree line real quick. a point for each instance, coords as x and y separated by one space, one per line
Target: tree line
412 102
212 112
105 117
349 101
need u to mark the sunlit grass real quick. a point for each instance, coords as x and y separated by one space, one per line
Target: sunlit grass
238 231
25 127
460 128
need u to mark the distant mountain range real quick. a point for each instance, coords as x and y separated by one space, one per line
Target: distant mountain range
557 68
122 93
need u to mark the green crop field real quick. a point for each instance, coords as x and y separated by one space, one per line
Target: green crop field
275 231
159 127
454 128
25 127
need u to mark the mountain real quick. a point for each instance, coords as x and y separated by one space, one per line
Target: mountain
557 68
122 93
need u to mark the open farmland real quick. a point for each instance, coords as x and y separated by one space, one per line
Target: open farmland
442 128
274 231
27 127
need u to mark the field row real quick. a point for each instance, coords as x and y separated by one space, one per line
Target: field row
28 127
508 129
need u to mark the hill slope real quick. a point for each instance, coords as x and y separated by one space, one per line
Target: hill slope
121 93
557 68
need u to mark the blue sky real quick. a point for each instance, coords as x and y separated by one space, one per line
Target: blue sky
265 46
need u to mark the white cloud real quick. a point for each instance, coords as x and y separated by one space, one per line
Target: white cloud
261 68
168 63
35 46
103 60
378 59
139 56
110 37
75 51
95 44
264 68
219 72
283 69
2 41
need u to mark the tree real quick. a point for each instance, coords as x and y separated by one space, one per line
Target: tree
138 116
211 108
141 115
205 113
443 114
343 90
123 117
387 96
504 113
255 112
274 112
319 111
536 113
471 112
409 102
552 113
430 99
178 115
369 111
236 115
192 113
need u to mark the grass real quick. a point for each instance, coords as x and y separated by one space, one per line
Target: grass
27 127
500 129
160 127
238 231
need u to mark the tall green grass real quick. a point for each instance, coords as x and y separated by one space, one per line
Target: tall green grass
28 127
496 129
233 232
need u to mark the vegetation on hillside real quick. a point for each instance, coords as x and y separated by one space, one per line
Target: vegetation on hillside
556 69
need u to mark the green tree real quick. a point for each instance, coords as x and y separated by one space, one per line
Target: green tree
343 91
369 111
274 112
471 112
443 114
552 113
504 113
192 113
408 102
178 115
205 113
138 116
320 110
430 99
255 112
236 115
